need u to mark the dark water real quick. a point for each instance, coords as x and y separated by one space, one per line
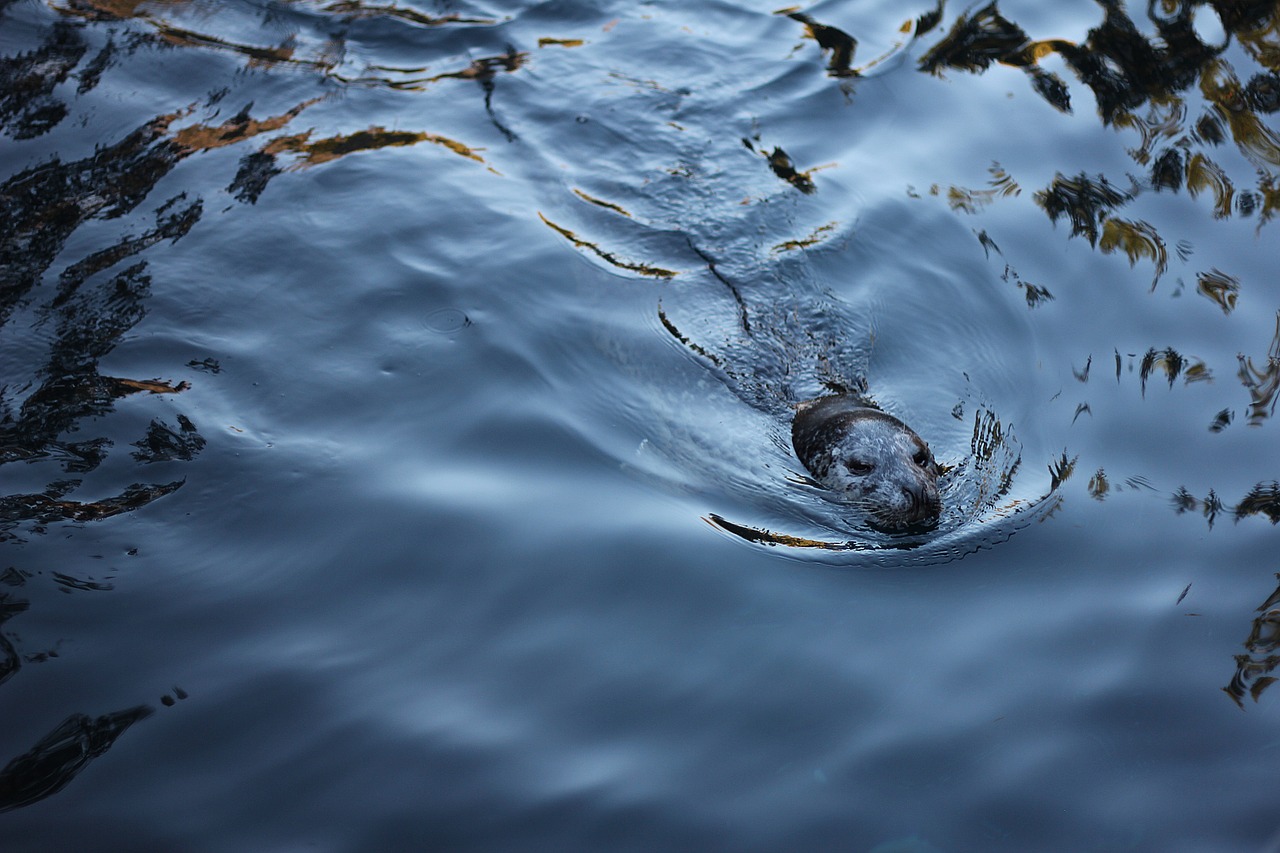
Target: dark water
394 408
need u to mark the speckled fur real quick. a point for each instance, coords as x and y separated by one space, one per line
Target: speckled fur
868 458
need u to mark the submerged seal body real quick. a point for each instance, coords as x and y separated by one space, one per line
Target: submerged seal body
869 458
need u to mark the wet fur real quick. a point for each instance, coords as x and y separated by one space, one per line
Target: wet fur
869 458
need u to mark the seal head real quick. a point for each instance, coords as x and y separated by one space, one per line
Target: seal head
871 459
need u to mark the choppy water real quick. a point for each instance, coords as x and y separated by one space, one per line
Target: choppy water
394 409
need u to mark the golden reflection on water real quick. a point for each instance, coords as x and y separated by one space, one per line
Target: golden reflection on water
326 150
1143 84
44 205
1254 668
608 256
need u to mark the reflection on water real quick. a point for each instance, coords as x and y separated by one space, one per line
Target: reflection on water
10 606
840 46
1254 667
1147 85
1263 385
60 755
1262 381
749 233
27 81
47 405
41 207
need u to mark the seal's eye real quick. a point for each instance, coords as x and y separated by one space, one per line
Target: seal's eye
859 467
922 457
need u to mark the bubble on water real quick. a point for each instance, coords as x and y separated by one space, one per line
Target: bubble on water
447 320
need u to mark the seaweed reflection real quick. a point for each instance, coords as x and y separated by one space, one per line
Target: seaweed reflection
839 44
322 50
356 9
841 47
61 316
27 81
101 296
1263 385
1177 92
58 757
39 209
1261 381
782 166
1263 499
1254 668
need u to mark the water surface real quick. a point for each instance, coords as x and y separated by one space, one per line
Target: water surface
394 410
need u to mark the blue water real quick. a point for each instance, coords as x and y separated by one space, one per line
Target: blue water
394 426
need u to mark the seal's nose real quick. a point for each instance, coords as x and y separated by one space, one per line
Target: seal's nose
924 505
919 511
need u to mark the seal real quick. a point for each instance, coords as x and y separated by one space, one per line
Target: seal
870 459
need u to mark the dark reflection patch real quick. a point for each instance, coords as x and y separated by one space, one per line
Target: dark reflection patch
1169 361
1262 380
1254 668
60 756
68 583
356 9
165 443
1085 201
781 164
1263 499
1223 289
27 81
46 508
975 41
836 43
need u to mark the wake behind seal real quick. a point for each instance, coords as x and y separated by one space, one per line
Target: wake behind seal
869 459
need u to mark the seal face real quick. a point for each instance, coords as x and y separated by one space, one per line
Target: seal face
871 459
